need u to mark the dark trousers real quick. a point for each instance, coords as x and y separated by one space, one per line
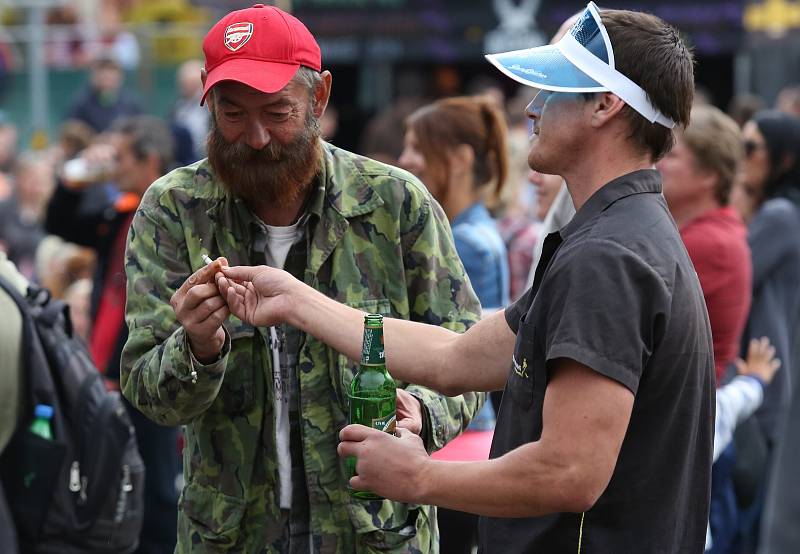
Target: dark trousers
158 447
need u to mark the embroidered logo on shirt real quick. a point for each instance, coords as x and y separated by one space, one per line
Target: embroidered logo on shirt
520 370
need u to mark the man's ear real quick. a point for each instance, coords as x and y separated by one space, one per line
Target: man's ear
210 96
322 94
606 106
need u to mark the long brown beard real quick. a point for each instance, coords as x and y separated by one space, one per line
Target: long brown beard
276 175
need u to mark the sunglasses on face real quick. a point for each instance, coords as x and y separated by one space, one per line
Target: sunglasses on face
750 147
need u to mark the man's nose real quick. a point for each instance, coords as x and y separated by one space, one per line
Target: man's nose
533 111
257 135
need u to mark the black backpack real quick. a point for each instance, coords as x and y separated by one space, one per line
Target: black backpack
82 491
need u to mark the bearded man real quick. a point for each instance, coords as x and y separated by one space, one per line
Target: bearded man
262 406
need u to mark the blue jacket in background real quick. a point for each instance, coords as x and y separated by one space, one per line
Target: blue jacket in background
483 253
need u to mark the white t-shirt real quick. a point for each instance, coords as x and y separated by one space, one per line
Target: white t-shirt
279 242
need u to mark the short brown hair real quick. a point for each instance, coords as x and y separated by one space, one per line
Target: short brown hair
716 142
471 120
651 54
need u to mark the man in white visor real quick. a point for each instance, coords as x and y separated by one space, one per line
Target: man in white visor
604 437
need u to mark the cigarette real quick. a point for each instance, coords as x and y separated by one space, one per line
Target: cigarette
207 260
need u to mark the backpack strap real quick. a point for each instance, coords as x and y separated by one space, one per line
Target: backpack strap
52 311
38 379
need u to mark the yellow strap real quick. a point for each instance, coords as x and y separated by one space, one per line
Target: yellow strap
580 533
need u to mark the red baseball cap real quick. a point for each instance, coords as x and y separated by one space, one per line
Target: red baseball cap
262 47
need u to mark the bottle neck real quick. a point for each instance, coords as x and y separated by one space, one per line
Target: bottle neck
372 353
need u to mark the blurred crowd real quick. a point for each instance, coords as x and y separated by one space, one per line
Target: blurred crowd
65 213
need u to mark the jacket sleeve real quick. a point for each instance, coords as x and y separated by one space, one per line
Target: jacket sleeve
440 294
158 373
736 401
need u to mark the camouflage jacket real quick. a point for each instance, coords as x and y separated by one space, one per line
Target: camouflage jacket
380 244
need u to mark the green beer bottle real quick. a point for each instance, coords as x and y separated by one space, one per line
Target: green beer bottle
373 400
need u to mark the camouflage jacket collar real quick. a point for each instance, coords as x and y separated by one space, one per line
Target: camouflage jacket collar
341 192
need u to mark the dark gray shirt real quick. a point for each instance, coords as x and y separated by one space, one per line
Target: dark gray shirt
615 290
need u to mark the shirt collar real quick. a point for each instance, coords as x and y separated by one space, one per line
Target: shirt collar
637 182
474 214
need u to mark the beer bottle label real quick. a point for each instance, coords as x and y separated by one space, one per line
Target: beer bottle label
386 424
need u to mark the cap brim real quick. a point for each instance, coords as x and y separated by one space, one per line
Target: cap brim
260 75
544 67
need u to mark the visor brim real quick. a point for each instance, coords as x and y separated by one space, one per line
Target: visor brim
544 67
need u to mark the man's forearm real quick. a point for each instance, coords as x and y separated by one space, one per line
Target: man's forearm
413 350
417 353
523 483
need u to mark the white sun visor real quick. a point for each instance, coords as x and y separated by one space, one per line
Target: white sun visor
582 61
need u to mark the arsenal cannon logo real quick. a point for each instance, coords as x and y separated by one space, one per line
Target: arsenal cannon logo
237 35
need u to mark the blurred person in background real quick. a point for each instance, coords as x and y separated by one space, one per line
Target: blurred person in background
60 263
788 100
111 37
457 148
78 297
137 151
735 402
698 174
74 136
104 100
742 201
771 175
521 233
22 215
381 139
743 107
488 86
702 96
187 111
8 155
65 47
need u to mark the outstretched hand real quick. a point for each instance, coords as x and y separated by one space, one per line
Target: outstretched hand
761 361
257 295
